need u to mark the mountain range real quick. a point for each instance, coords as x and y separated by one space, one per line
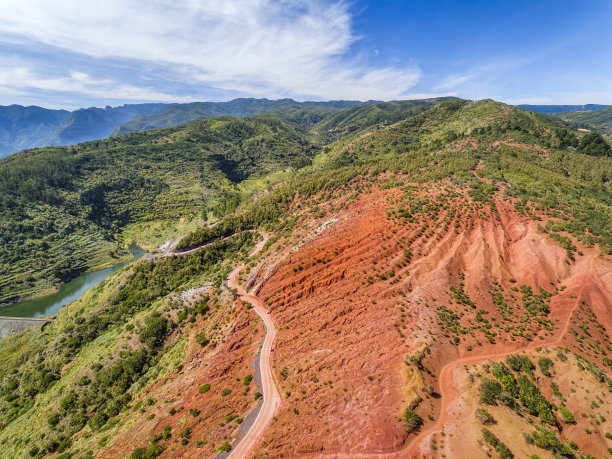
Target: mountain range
549 109
435 276
34 127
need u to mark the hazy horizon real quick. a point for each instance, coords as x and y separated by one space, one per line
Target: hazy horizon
95 54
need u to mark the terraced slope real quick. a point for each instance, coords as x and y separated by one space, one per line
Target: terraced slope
403 267
62 210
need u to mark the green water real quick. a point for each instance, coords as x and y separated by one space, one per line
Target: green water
49 305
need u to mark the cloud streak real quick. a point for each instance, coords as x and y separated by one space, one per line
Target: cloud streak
286 48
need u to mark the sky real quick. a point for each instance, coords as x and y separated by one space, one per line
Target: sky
81 53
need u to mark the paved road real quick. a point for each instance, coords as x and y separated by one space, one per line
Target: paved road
271 396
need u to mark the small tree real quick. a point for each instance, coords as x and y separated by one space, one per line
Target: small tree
412 421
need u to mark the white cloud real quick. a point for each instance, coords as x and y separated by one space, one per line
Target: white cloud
273 48
18 80
453 81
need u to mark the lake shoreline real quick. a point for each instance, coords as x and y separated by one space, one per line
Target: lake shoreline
49 305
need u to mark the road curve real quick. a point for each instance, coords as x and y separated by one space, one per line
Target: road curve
449 391
271 396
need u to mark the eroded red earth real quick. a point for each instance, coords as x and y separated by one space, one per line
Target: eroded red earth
379 300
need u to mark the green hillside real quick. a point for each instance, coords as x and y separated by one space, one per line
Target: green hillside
449 141
371 116
600 120
73 387
62 209
306 113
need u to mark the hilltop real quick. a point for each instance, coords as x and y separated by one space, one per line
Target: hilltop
438 275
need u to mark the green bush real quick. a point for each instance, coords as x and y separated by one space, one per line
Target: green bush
201 339
154 333
534 401
412 421
151 452
594 144
546 439
500 447
545 364
567 415
54 419
484 416
204 388
490 390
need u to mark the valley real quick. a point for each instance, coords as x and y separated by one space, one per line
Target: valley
426 279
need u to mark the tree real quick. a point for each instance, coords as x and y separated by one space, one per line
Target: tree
412 421
594 144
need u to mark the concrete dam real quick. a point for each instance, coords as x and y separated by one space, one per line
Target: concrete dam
11 325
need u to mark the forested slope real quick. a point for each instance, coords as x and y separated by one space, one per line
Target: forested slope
61 209
159 356
600 120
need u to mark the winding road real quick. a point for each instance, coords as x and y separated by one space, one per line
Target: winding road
272 400
271 396
449 391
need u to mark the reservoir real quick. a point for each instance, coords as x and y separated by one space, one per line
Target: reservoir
70 291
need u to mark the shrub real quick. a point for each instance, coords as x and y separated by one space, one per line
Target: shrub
520 363
594 144
500 447
567 415
154 333
151 452
546 439
247 379
201 339
490 390
204 388
545 363
225 392
534 401
54 419
224 447
484 416
411 420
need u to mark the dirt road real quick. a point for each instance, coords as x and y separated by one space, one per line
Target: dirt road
271 396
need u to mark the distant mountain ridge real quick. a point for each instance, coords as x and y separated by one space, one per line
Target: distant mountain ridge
177 114
548 109
33 127
29 127
23 128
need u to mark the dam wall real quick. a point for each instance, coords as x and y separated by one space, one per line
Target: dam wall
11 325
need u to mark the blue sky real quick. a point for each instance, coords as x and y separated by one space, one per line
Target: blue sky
92 53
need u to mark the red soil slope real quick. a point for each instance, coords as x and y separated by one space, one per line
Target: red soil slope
380 300
354 311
